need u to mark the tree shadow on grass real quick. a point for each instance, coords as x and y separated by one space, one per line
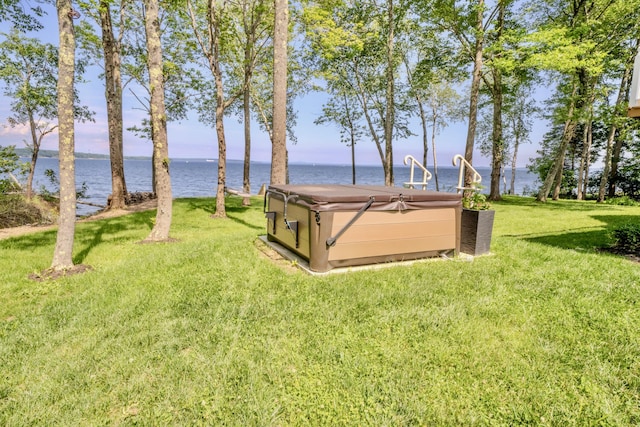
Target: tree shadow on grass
207 205
29 241
94 233
88 235
597 237
562 204
233 205
576 240
243 222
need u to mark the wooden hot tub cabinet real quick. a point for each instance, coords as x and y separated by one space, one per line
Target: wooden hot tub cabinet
346 225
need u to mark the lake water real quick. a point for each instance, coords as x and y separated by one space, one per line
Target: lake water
198 178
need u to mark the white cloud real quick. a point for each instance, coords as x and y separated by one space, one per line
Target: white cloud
16 131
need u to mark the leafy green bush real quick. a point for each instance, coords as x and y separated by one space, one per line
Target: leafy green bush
475 200
10 164
621 201
8 186
627 238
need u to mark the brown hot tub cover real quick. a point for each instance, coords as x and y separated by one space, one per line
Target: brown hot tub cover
342 225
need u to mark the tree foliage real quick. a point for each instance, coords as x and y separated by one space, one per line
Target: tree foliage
30 75
383 64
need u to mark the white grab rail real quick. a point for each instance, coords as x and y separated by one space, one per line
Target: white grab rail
426 175
475 179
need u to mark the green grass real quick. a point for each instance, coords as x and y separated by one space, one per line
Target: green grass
207 331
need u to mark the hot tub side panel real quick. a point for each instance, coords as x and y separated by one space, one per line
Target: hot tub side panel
383 236
320 231
277 230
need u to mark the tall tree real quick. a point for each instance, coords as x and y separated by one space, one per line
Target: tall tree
444 106
618 116
555 172
211 39
279 117
519 112
106 51
362 58
342 111
180 81
29 72
467 22
574 40
112 47
390 74
113 94
255 27
476 77
162 225
497 95
63 251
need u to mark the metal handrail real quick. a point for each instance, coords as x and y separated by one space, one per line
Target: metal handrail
426 175
475 179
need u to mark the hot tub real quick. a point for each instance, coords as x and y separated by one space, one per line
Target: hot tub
346 225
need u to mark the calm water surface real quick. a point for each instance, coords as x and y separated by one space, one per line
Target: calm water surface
198 178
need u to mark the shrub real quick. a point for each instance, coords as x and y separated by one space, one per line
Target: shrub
621 201
627 238
15 211
10 164
475 200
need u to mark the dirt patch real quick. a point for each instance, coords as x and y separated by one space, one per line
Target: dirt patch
53 274
268 253
112 213
629 256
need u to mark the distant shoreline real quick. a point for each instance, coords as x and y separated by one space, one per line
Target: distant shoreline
53 154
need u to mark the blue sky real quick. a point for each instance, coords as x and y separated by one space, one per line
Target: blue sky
191 139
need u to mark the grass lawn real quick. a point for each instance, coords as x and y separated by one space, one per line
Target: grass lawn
208 331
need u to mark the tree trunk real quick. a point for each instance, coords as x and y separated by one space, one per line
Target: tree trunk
353 159
160 231
246 172
246 105
362 98
615 160
63 252
113 94
433 149
476 77
353 140
425 138
557 182
558 164
497 141
607 161
583 170
619 109
279 141
587 154
497 157
389 121
221 211
514 159
214 22
34 155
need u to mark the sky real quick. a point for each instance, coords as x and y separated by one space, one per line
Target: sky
189 138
